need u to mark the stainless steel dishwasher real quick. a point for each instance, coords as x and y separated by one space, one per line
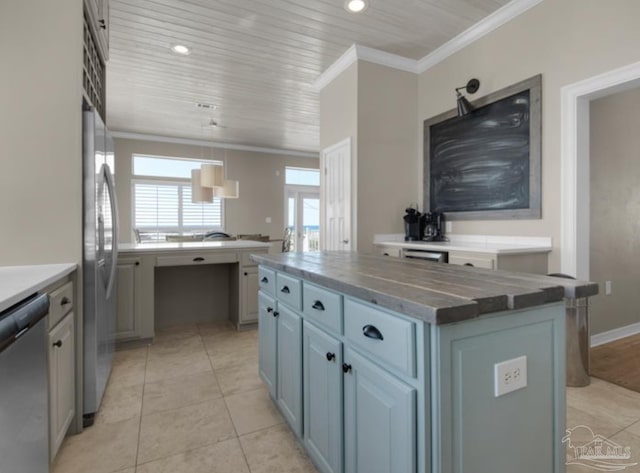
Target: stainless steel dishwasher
24 414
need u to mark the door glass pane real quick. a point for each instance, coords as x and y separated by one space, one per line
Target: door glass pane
311 223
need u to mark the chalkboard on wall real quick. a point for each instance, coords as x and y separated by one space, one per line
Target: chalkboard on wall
486 165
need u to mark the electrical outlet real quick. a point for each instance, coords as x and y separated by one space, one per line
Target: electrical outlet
267 220
510 375
607 288
448 227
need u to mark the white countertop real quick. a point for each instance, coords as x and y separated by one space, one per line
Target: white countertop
19 282
199 245
495 245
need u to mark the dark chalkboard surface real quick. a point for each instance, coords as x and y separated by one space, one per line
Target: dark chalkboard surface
480 165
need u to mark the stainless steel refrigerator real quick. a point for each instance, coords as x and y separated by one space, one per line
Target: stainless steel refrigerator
99 260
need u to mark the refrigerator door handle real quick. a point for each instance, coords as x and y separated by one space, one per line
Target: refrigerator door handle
108 179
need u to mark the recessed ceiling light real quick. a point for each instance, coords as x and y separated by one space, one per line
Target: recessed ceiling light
355 6
181 49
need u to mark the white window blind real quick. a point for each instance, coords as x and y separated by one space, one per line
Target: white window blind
167 208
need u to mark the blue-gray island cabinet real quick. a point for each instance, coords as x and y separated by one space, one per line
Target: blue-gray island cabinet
382 365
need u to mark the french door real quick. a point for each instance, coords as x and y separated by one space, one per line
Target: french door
303 217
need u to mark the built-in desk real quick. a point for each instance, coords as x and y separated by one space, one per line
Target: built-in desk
169 280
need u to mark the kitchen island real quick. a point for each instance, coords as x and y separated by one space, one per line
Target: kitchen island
398 366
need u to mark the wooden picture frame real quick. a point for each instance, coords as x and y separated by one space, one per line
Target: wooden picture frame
487 165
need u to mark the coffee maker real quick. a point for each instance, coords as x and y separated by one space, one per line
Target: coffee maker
414 224
434 226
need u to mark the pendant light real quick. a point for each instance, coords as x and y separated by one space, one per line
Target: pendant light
211 175
230 188
199 193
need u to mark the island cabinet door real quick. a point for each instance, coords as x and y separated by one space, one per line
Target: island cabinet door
322 375
267 334
289 386
380 419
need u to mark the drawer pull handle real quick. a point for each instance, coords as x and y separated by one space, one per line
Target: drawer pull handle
331 356
269 309
317 305
198 259
346 368
264 280
58 344
371 331
276 313
285 290
65 301
469 264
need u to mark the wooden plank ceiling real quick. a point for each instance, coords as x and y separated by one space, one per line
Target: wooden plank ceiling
256 60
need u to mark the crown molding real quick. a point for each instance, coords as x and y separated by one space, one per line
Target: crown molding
337 68
211 144
386 59
485 26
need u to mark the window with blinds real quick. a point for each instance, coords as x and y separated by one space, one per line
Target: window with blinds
163 207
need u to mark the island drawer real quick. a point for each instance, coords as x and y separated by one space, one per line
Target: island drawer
60 303
289 290
196 259
267 280
388 338
322 306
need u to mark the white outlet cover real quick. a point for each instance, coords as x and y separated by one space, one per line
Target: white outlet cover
607 288
268 220
510 375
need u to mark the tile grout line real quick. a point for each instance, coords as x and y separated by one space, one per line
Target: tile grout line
144 385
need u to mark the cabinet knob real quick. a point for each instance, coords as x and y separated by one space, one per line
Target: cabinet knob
246 274
198 259
103 24
264 280
371 331
58 344
346 242
317 305
285 290
137 263
331 356
65 301
346 368
276 313
468 264
269 309
385 254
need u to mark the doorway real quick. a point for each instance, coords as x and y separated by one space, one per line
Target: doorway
303 217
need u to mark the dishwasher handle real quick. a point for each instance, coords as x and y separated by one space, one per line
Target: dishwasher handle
17 321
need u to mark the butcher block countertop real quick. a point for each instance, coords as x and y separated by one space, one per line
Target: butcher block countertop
433 292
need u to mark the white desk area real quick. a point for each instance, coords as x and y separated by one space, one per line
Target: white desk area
163 284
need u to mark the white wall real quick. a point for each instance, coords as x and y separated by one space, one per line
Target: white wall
40 131
261 179
564 40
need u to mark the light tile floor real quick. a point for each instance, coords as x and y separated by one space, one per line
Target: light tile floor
193 403
190 403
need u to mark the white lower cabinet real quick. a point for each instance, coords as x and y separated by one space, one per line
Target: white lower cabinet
249 290
322 375
128 310
380 419
61 380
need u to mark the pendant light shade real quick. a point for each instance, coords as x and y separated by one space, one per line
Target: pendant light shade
211 175
230 190
199 193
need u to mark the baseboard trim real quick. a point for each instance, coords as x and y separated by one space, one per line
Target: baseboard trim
615 334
